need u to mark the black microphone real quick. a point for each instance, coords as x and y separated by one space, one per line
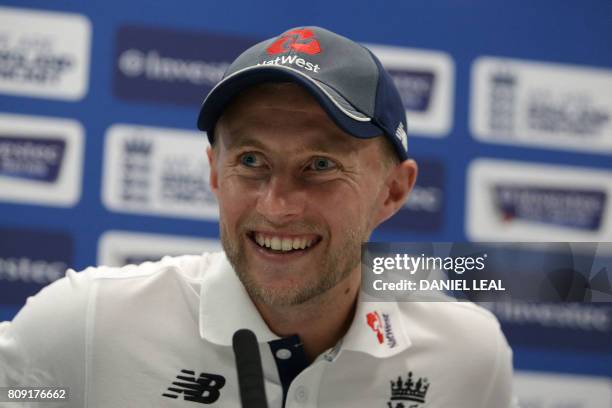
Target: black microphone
250 372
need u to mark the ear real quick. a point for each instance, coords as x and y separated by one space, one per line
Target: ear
398 185
213 179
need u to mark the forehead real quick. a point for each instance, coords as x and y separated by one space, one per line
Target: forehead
281 110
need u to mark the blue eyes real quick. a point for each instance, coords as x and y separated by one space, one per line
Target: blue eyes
249 159
321 163
253 160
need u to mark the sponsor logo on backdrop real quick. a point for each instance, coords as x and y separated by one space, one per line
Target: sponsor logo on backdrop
157 171
537 390
573 208
574 326
550 105
118 248
425 80
169 66
30 260
533 202
40 160
425 206
44 54
30 158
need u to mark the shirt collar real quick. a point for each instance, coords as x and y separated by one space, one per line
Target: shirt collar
225 306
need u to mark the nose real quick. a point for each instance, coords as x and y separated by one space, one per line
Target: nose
282 199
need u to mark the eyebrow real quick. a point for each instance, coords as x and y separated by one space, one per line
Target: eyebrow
324 146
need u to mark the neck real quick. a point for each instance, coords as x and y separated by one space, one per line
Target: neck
321 321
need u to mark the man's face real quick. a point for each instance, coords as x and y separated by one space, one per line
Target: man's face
297 195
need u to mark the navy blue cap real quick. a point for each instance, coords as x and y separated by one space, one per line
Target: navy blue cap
346 78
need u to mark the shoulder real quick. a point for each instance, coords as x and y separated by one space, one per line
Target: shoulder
191 267
466 339
457 327
51 328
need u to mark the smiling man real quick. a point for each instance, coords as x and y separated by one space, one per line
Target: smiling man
308 156
297 197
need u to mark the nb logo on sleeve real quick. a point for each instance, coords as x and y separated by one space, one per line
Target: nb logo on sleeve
203 389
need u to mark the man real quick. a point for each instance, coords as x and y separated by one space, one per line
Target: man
308 156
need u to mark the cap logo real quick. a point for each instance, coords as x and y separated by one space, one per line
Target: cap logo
299 40
401 135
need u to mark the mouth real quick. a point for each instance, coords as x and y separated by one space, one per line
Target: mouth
282 244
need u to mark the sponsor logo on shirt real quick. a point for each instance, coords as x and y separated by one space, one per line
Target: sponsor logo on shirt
382 328
40 160
204 388
375 323
411 391
44 54
157 171
533 202
168 66
30 260
551 105
425 80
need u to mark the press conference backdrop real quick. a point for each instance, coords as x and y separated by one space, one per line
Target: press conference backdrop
510 118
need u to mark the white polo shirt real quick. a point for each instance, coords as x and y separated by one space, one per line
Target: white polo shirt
159 335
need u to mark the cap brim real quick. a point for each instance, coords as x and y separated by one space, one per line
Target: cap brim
344 115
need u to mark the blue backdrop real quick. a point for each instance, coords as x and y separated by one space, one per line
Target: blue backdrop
522 84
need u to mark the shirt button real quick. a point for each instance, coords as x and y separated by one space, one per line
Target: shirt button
283 354
301 394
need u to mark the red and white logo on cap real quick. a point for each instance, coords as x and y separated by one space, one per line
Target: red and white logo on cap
300 40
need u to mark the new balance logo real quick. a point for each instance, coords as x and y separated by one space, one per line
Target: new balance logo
401 135
203 389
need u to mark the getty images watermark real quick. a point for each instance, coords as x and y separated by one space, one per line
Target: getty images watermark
488 272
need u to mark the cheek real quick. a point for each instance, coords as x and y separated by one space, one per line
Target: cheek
235 201
341 204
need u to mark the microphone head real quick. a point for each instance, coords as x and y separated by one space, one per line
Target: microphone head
244 339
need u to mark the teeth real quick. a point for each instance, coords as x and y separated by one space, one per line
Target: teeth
260 240
287 244
276 243
282 244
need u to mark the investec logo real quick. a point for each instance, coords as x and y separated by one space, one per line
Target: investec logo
24 269
171 66
44 54
151 65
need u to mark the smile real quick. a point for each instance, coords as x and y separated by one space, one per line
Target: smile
284 243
